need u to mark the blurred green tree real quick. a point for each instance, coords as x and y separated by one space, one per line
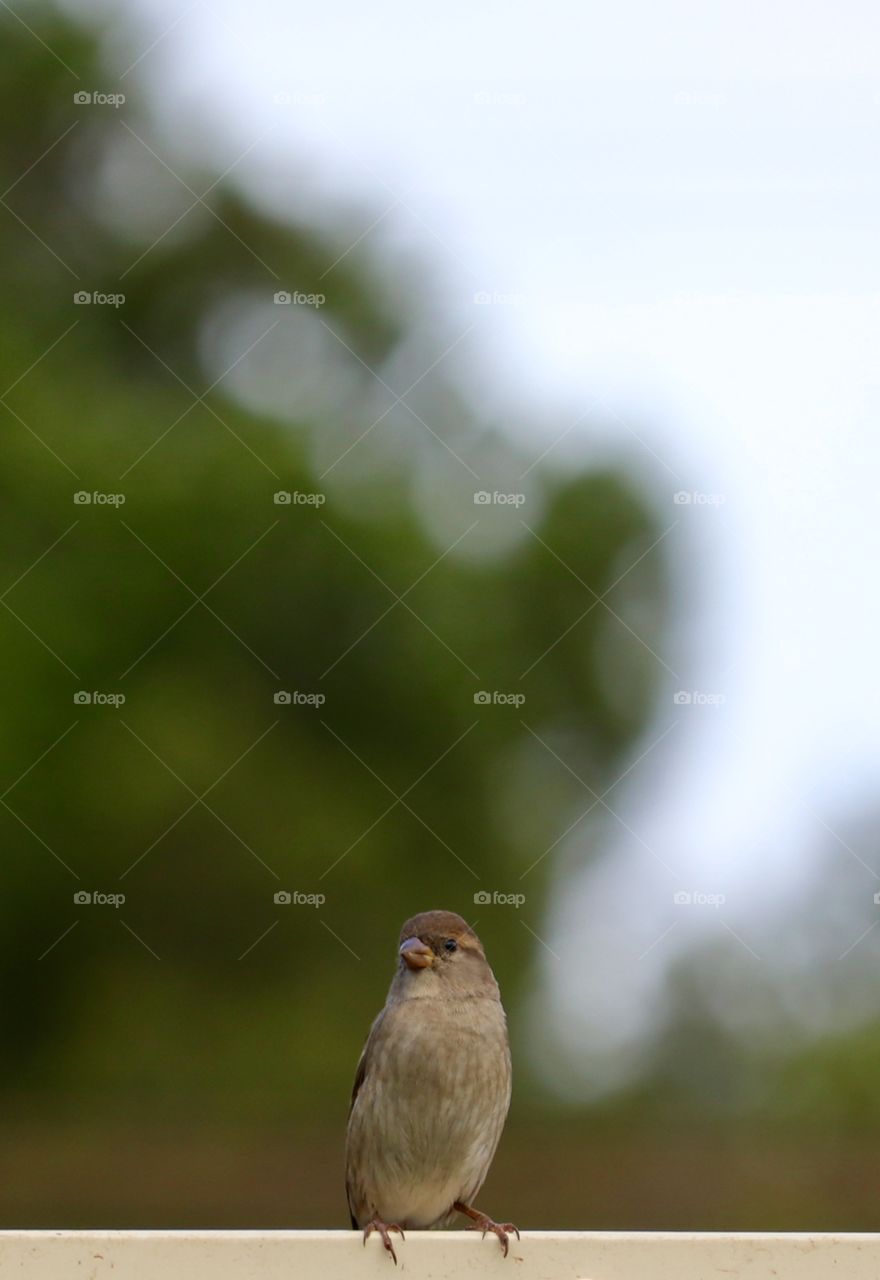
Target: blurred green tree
200 598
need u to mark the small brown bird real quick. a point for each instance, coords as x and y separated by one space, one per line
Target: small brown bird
432 1088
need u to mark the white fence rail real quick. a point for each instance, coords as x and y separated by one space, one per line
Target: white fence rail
339 1255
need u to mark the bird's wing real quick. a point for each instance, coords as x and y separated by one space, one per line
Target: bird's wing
360 1076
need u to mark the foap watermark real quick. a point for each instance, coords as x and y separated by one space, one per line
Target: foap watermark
83 698
697 698
294 298
696 898
293 498
696 498
95 498
298 98
499 98
97 98
90 298
293 898
293 698
493 298
85 898
485 898
498 698
482 498
697 98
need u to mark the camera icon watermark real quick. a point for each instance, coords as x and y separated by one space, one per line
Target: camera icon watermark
498 698
495 898
293 498
696 898
491 298
499 98
83 898
296 698
286 898
697 98
693 497
95 98
284 98
85 298
482 498
82 698
84 498
296 298
697 698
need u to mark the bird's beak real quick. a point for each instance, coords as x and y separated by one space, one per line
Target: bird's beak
416 954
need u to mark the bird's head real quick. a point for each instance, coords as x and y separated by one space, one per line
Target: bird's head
439 954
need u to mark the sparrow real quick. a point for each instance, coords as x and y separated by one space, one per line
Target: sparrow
432 1088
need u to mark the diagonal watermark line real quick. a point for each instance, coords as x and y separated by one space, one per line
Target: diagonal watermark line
599 599
355 243
644 444
164 363
538 938
355 843
51 347
605 793
657 941
145 945
40 757
859 939
29 228
139 459
40 557
740 940
797 800
160 38
38 838
189 208
379 181
42 156
198 599
385 612
399 799
602 802
199 799
236 162
41 41
354 444
198 399
340 940
836 836
150 247
39 439
559 439
60 938
263 935
400 600
399 399
202 202
39 639
239 359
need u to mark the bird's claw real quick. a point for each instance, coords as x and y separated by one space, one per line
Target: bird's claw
485 1224
376 1224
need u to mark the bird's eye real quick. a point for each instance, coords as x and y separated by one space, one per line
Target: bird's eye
450 945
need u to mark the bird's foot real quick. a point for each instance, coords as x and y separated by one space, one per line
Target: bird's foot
376 1224
482 1222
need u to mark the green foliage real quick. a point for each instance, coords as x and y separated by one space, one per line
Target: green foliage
200 598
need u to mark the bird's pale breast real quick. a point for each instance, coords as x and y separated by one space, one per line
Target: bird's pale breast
427 1119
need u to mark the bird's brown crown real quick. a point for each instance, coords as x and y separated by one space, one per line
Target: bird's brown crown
434 926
